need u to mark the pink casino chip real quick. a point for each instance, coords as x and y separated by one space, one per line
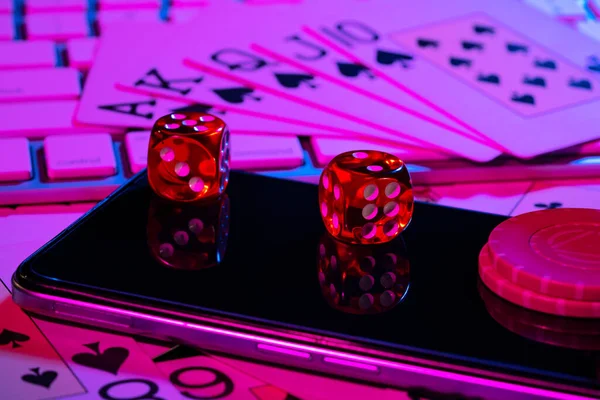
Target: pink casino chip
529 299
552 252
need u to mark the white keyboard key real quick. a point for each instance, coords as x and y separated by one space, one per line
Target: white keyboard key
128 4
56 26
35 6
81 52
7 6
136 145
79 156
7 27
107 17
325 149
39 84
15 160
25 54
590 28
38 119
258 152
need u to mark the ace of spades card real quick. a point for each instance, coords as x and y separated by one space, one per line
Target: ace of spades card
506 71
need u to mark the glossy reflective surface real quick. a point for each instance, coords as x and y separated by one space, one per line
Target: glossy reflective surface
270 273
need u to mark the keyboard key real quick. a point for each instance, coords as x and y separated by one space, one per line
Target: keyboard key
128 4
136 145
325 149
79 156
80 52
107 17
35 6
6 6
7 27
15 160
258 152
590 28
24 54
38 119
39 84
56 26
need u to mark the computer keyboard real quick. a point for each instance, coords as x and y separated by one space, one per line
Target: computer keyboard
47 47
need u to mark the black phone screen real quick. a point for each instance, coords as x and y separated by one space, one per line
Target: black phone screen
260 256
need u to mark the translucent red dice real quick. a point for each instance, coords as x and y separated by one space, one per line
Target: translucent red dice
188 236
360 279
188 157
366 197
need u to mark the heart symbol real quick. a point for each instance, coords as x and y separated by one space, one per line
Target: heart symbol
110 360
44 379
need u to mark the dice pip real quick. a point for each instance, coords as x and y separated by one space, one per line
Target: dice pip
188 236
360 279
366 197
188 157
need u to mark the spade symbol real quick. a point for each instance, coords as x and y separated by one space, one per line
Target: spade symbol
491 78
7 336
580 83
198 107
535 81
236 95
423 43
525 98
110 360
482 29
293 81
516 48
352 70
459 62
594 64
471 45
389 58
44 379
552 205
548 64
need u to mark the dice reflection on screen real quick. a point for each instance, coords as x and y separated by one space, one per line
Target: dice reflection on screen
363 279
188 157
366 197
188 236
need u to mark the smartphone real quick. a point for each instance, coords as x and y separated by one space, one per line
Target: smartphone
255 275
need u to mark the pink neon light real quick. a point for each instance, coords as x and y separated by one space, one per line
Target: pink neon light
294 353
393 82
366 93
352 364
334 354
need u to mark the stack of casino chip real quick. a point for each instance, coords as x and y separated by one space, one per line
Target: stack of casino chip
547 261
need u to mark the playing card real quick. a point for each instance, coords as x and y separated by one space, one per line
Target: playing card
31 368
109 366
548 195
200 376
313 386
102 103
244 108
233 58
522 79
485 197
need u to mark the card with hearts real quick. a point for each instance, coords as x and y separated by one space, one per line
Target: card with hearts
525 81
31 368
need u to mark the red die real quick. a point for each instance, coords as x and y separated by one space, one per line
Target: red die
359 279
365 197
188 157
188 236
